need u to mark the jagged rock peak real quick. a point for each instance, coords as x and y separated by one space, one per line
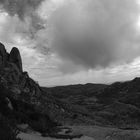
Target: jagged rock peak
2 47
15 57
3 55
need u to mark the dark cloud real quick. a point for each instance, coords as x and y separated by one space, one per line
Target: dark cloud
20 7
85 51
96 33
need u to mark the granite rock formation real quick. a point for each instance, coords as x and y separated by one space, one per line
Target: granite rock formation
15 58
19 97
3 55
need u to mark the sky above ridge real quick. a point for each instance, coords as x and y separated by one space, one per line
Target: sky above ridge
74 41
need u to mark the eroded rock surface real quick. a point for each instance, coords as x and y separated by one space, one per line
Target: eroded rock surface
15 58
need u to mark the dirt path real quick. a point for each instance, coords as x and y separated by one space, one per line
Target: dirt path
106 133
92 133
25 136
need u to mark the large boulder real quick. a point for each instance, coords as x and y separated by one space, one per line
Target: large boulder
16 58
3 55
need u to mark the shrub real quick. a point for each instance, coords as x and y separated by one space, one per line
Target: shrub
7 131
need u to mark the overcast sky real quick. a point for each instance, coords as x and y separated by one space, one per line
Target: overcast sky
74 41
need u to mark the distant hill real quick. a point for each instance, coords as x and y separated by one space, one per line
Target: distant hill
66 91
112 105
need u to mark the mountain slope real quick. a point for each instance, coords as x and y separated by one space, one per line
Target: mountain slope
115 105
24 102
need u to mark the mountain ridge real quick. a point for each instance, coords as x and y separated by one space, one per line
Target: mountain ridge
24 101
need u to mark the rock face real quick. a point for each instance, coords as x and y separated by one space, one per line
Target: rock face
16 58
12 75
3 55
20 96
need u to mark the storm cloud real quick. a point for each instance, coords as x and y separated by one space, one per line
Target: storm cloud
97 33
21 8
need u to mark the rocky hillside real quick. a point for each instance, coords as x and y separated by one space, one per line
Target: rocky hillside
20 98
23 101
115 105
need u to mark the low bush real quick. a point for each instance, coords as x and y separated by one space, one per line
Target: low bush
7 131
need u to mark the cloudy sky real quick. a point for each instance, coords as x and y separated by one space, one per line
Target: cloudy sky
74 41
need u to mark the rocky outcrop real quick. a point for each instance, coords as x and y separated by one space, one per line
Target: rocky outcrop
16 58
20 96
3 55
12 75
